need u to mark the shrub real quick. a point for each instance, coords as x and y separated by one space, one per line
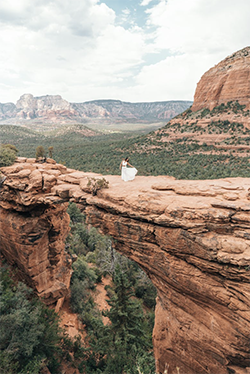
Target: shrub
29 331
40 151
82 272
90 257
205 112
51 149
7 155
97 184
75 213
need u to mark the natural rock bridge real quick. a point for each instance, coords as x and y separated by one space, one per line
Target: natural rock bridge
192 238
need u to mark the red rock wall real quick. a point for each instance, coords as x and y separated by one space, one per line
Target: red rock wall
33 231
229 80
202 317
35 243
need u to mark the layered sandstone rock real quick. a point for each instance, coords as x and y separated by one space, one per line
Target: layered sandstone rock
191 237
219 116
33 226
229 80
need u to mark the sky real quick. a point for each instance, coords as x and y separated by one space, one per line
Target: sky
130 50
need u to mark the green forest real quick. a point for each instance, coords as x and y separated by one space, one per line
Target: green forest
30 334
102 153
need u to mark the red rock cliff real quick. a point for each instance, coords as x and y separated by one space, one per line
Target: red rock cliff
191 237
33 229
228 80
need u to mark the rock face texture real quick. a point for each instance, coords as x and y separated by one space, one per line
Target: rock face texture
54 109
33 227
228 79
50 107
192 238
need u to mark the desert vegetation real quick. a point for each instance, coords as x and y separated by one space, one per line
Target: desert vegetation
124 343
182 148
8 153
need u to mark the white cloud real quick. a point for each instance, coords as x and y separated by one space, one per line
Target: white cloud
145 2
200 25
84 50
198 34
68 50
173 78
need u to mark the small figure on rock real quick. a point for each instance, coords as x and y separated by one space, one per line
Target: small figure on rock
127 174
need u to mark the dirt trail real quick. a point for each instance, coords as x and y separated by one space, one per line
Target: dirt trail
100 296
70 321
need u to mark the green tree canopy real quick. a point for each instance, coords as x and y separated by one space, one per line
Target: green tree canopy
122 342
29 331
40 151
7 154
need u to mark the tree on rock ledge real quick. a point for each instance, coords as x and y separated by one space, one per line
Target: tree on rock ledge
40 151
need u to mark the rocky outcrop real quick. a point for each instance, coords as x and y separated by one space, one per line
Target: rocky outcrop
54 109
50 107
228 80
219 116
7 110
34 225
191 237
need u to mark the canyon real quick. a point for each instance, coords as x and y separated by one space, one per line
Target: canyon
192 238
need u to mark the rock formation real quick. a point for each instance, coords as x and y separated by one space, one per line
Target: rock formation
54 109
192 238
50 107
219 116
230 79
33 230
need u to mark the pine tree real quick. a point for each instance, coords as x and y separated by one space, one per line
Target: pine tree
126 314
51 149
123 340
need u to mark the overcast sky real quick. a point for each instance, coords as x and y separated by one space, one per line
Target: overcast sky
132 50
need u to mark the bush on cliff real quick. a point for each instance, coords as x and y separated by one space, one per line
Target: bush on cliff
96 184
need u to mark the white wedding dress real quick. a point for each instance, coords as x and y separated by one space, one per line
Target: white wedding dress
128 174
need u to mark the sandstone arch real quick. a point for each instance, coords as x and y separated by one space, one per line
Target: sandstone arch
191 237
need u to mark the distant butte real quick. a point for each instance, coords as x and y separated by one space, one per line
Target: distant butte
220 114
228 80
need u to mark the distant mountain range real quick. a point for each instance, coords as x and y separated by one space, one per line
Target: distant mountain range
54 109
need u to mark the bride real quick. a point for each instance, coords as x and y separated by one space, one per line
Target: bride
128 174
